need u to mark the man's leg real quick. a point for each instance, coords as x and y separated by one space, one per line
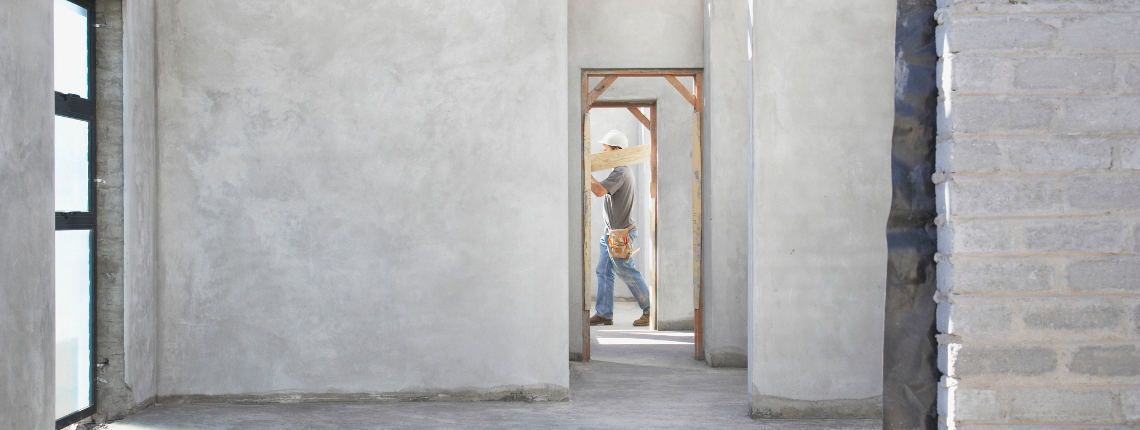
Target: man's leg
604 307
632 278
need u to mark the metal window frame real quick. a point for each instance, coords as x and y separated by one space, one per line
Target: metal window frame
83 109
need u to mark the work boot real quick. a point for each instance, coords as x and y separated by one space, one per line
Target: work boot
598 320
643 321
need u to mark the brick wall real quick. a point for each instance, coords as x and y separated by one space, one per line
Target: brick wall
1039 199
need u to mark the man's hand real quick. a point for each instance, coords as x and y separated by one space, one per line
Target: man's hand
597 188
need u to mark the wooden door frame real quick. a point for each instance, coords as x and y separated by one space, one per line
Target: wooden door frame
589 100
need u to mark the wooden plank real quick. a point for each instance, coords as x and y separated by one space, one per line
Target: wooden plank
698 327
623 157
653 158
587 197
640 116
622 104
598 90
684 91
642 73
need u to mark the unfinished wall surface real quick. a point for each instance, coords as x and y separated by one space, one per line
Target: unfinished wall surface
362 199
726 128
824 113
1038 197
609 34
140 186
126 296
27 222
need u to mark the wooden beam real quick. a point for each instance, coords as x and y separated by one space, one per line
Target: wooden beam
598 90
622 104
640 116
621 157
642 73
653 152
684 91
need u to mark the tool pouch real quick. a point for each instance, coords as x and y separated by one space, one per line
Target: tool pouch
620 245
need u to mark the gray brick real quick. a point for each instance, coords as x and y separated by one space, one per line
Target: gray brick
1042 6
1097 33
1057 155
1130 404
1129 154
1105 194
1000 33
1136 317
1043 405
1106 361
979 156
1100 115
1006 197
1132 75
981 237
973 361
1075 236
988 115
1001 276
1106 275
976 405
1075 74
969 317
978 74
1075 316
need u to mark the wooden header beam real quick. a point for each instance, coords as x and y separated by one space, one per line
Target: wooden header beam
647 73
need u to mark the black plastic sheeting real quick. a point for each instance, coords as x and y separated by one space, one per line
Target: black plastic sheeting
910 368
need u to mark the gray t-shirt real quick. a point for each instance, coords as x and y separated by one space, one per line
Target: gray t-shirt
619 200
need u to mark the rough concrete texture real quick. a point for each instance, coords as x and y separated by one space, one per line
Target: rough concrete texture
113 396
823 103
1038 197
625 386
625 34
726 129
27 223
140 186
361 197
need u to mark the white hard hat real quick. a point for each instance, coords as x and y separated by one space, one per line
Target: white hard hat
615 139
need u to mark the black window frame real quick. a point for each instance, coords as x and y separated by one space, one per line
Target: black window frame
80 108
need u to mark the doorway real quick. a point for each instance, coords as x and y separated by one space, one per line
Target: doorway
594 85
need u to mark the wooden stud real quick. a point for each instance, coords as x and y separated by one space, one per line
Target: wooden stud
653 152
598 90
640 116
684 91
622 157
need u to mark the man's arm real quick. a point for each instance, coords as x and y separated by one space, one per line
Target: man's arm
597 188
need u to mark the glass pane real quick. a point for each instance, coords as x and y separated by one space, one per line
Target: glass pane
72 321
70 48
71 174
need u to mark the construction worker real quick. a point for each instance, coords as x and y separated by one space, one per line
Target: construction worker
618 190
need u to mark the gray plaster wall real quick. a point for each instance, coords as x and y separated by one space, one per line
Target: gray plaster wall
1038 186
362 199
823 117
27 222
726 164
140 199
617 34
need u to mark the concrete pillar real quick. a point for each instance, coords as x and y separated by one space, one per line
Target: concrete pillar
27 217
823 116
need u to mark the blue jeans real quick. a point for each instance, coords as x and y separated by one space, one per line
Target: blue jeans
624 268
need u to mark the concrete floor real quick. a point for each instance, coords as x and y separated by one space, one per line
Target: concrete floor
638 379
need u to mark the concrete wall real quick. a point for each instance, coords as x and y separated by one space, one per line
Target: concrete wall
27 223
625 34
1038 191
362 199
601 122
726 129
823 106
140 186
126 296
